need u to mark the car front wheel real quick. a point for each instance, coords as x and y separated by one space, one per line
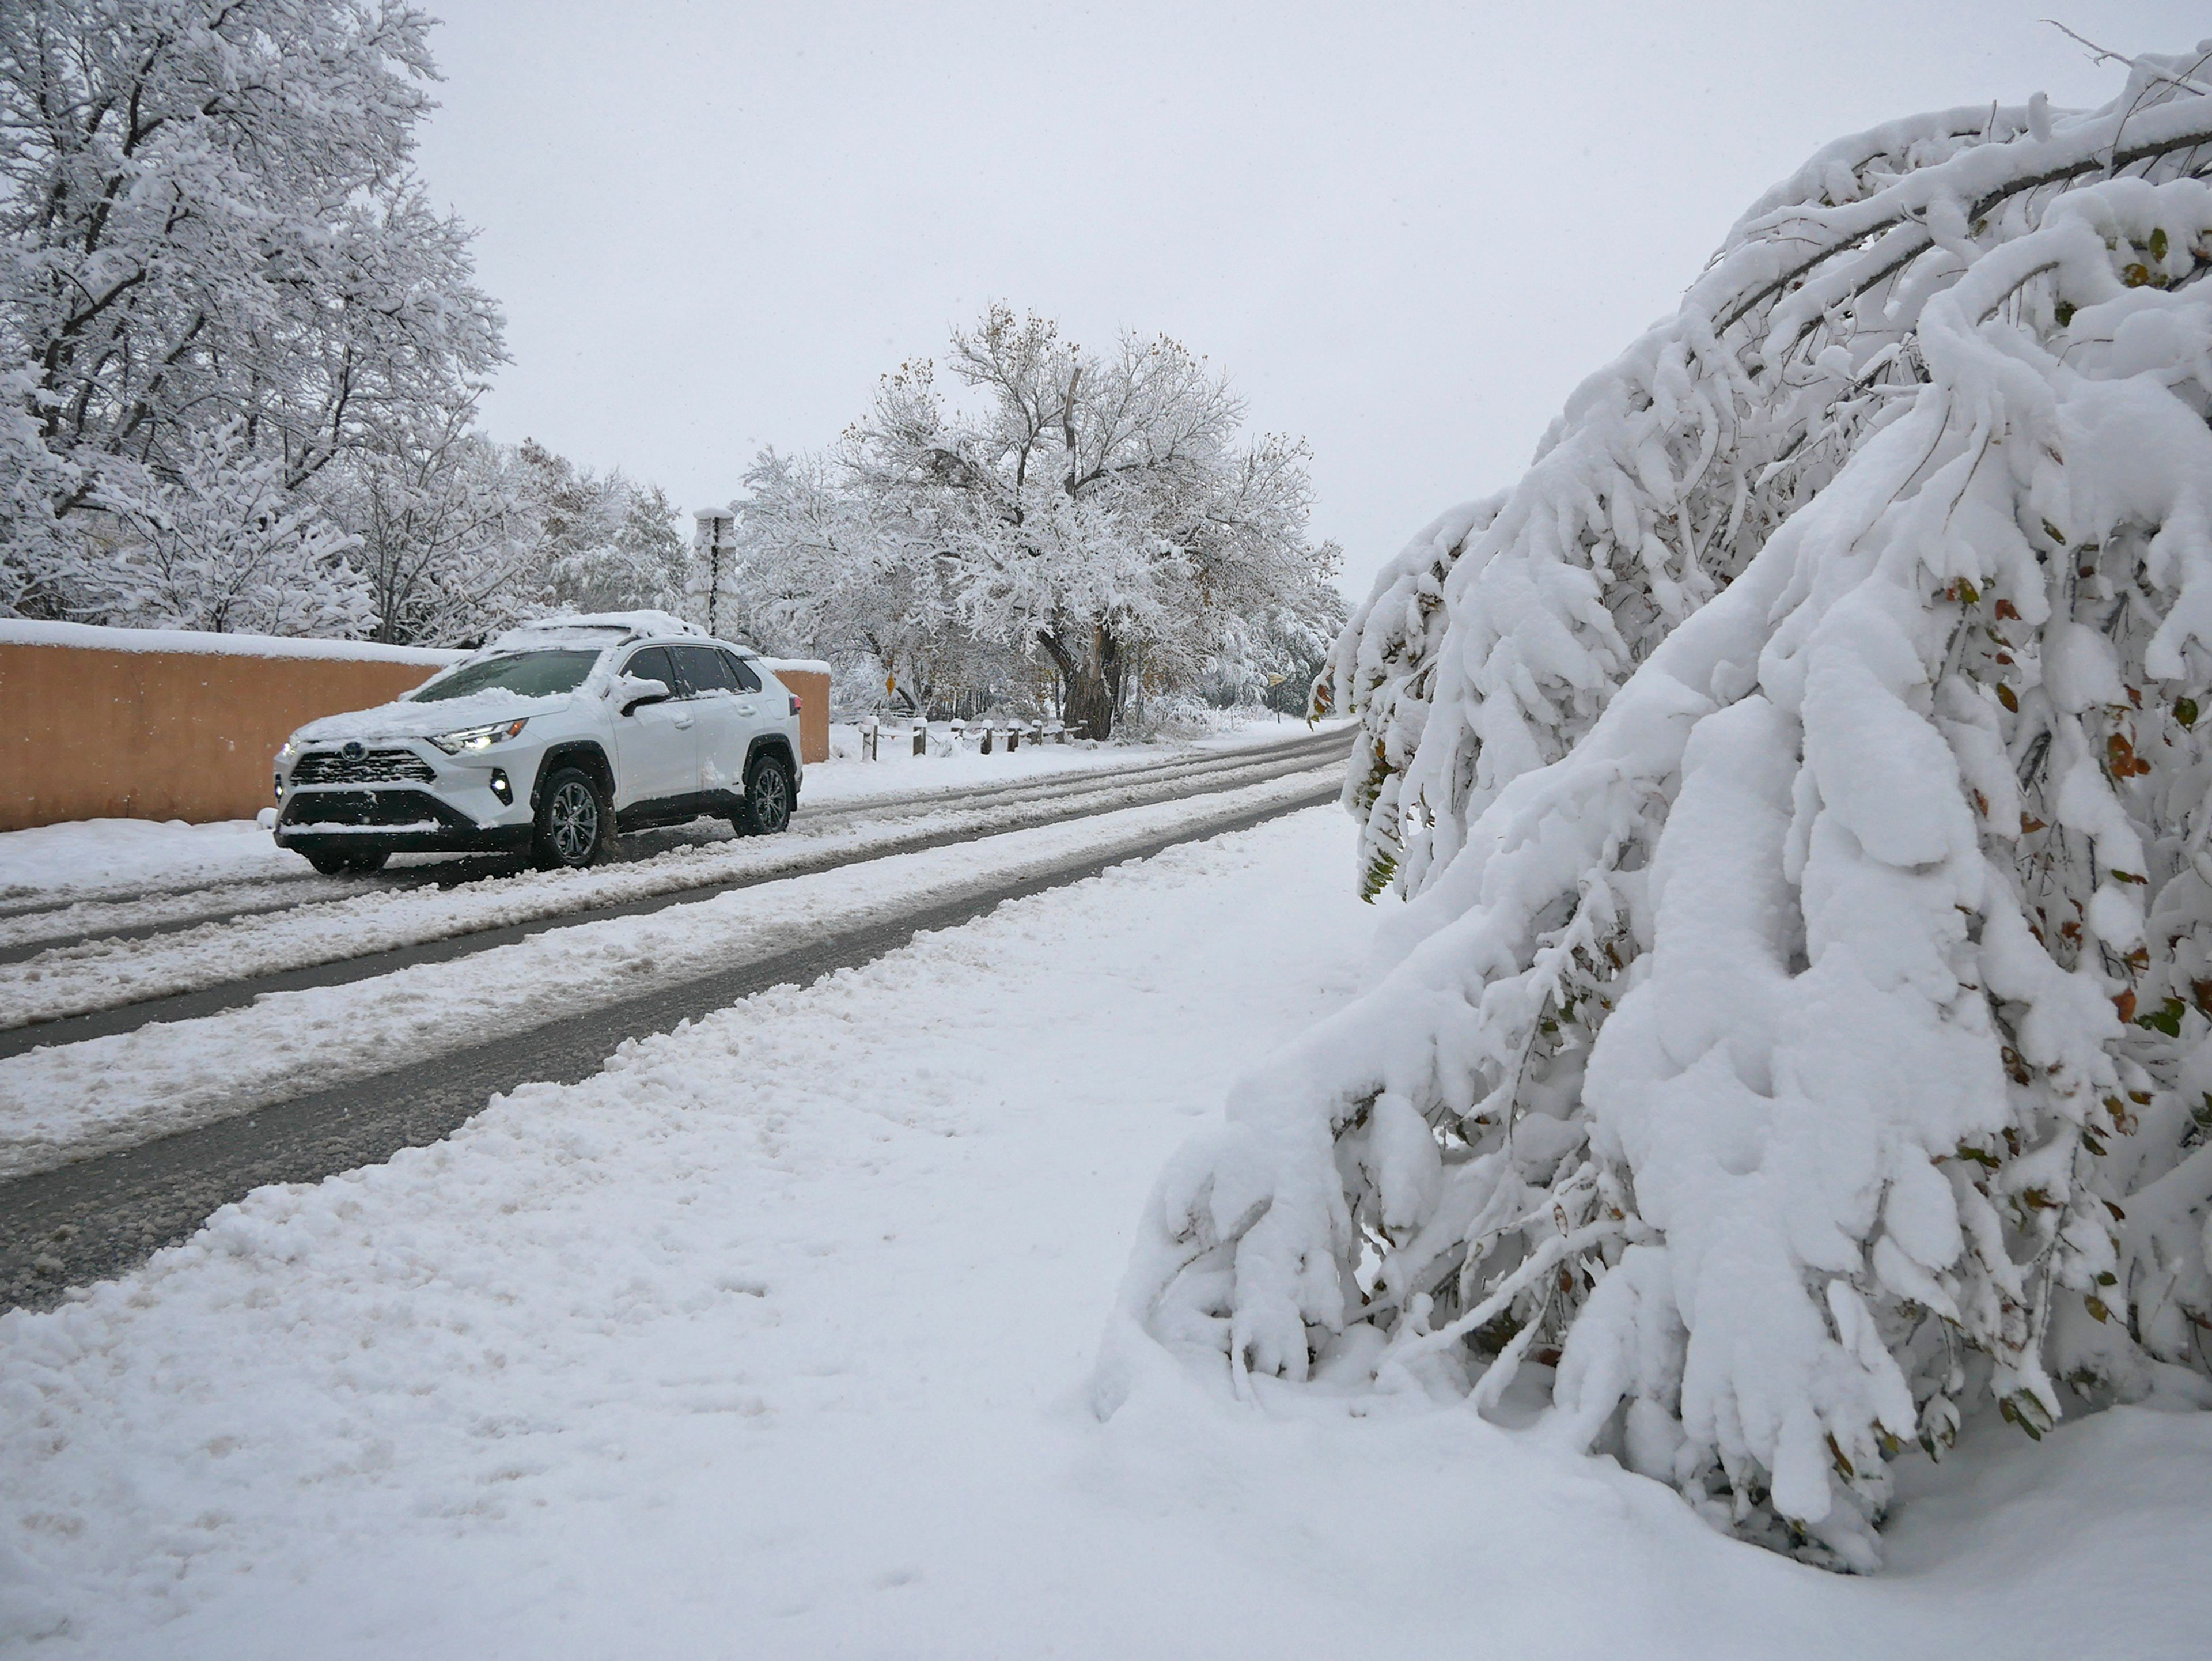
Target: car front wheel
571 827
360 864
767 805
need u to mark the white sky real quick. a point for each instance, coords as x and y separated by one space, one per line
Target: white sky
1406 231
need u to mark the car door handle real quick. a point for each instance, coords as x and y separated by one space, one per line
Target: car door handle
683 720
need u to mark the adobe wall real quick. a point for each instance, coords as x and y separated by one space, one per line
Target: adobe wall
812 686
87 732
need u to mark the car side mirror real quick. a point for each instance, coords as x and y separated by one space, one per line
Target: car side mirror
636 692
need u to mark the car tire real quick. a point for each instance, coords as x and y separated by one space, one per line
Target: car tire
765 808
337 862
571 827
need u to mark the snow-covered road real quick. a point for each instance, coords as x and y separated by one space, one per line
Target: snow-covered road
772 1340
66 1101
105 972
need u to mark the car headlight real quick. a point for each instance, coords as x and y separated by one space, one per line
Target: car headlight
291 749
478 738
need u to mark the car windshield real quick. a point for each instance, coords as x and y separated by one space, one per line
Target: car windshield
525 674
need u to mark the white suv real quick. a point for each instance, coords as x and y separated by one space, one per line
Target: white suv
552 738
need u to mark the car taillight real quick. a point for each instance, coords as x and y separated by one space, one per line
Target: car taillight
797 702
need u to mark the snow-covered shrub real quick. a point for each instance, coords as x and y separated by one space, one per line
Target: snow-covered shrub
1669 468
1821 1046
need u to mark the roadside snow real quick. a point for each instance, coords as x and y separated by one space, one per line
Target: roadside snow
52 861
64 1101
771 1340
899 771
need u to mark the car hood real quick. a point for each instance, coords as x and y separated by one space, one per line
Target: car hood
403 719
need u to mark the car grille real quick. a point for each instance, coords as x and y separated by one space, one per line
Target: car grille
378 807
373 767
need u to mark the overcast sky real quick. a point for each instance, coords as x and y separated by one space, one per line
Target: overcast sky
1406 231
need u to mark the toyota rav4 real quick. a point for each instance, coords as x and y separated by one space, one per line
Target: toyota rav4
552 738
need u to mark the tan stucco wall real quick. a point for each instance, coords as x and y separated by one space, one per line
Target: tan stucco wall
87 733
813 691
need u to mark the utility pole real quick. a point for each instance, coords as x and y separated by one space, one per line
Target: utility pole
717 536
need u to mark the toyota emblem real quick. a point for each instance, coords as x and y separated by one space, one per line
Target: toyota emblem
353 750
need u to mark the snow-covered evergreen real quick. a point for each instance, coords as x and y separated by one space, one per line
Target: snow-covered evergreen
1809 1042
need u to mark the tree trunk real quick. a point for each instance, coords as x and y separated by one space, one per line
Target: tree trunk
1092 678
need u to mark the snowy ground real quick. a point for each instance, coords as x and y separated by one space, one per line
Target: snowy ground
100 855
773 1340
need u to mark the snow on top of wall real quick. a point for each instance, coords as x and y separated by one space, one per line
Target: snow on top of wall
20 632
797 665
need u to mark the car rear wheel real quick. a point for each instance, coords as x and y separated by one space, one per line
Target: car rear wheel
571 827
766 808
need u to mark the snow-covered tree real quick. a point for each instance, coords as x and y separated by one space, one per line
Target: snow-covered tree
224 548
828 570
207 224
604 542
1098 509
443 529
40 561
1811 1043
1272 659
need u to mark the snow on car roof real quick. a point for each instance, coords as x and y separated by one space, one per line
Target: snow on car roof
614 625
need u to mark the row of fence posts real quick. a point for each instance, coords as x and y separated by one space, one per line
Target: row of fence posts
1013 732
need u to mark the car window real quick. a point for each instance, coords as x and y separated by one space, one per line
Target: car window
705 668
653 663
525 674
747 680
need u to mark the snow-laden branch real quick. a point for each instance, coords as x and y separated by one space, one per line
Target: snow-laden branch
1669 468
